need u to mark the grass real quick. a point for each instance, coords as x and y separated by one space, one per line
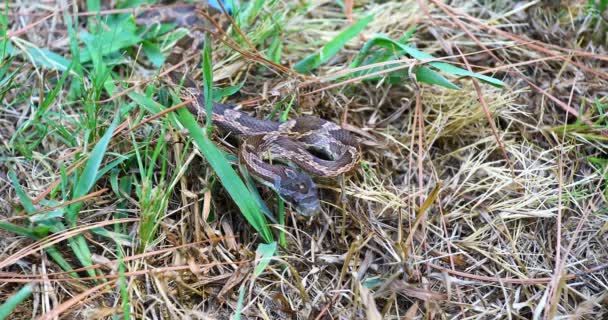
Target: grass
480 193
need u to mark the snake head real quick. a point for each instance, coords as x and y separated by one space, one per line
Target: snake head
299 190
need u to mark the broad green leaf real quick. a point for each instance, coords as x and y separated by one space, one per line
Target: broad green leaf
332 47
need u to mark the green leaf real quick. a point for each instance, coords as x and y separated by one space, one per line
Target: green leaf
264 254
37 233
153 53
25 200
124 290
46 58
256 195
84 184
228 177
281 214
389 44
108 41
239 304
220 93
332 47
208 80
89 174
426 75
11 303
275 50
26 232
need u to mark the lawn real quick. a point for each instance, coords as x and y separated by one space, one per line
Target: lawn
479 191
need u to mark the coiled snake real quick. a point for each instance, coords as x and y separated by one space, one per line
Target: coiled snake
271 151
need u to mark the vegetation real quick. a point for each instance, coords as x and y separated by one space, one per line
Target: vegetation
481 192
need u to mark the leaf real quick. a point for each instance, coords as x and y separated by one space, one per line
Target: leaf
254 192
264 255
219 94
153 53
389 44
426 75
89 174
207 81
107 42
84 183
46 58
239 304
26 202
228 177
332 47
275 50
11 303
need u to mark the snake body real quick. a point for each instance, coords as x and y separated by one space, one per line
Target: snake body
272 151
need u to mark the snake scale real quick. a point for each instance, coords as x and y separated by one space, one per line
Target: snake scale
272 151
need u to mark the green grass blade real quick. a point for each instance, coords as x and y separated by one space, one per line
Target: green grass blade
239 304
84 184
45 58
228 177
11 303
442 66
35 235
208 80
26 232
25 200
426 75
89 175
281 214
254 192
275 51
332 47
124 290
264 255
153 53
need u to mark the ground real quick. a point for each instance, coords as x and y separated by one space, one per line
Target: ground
479 194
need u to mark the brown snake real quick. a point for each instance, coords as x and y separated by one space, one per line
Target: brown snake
271 151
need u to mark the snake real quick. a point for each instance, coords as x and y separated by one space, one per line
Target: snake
280 155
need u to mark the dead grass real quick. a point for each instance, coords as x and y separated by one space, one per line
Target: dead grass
436 224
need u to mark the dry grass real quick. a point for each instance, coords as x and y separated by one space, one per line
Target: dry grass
435 224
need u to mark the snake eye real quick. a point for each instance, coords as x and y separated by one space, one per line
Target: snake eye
302 188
